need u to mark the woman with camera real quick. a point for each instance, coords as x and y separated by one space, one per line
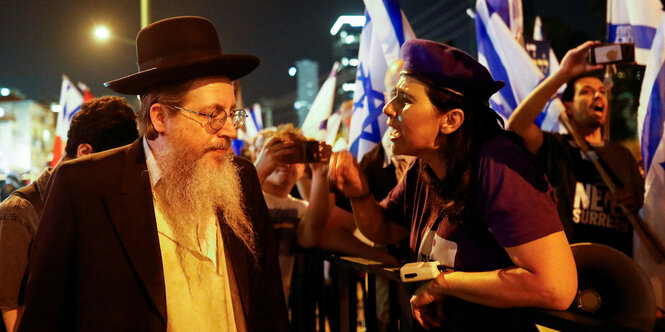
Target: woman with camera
473 200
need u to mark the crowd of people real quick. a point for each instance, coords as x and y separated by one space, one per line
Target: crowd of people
151 223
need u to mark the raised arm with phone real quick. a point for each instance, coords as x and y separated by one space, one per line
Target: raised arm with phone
589 210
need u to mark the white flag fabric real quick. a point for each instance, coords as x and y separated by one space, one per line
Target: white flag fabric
257 116
634 21
385 30
510 12
253 124
71 100
651 128
332 127
315 124
549 119
508 61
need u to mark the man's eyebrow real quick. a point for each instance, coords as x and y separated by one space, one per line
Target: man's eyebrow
218 107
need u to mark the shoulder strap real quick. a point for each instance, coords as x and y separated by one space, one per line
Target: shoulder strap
31 193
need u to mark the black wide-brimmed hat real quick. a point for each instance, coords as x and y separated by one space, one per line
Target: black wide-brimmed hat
177 49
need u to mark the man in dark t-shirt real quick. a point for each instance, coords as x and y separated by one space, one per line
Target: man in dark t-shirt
587 208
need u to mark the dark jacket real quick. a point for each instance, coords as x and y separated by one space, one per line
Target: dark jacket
96 263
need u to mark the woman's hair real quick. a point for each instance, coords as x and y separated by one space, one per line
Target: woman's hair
480 124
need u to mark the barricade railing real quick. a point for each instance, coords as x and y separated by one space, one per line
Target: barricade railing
316 299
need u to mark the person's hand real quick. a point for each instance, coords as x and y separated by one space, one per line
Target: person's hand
271 155
427 308
345 175
321 168
575 62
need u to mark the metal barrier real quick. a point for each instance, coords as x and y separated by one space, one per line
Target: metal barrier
314 301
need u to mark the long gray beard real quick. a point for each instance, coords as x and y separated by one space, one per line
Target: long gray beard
193 189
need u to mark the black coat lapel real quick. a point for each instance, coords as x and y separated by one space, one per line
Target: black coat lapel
132 213
241 261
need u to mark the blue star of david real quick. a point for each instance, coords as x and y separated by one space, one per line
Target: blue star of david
368 98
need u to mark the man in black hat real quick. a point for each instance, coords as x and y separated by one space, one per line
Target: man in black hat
175 236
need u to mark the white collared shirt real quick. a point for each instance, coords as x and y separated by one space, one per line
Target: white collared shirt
201 292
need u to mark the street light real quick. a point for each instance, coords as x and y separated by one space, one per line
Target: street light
103 33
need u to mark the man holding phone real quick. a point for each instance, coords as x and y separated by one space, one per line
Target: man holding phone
284 155
313 221
589 212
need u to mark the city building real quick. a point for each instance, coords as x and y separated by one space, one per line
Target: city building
27 132
346 43
307 76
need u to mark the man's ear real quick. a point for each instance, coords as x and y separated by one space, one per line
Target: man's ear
451 121
83 149
158 117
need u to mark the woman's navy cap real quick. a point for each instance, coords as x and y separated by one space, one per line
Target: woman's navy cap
449 68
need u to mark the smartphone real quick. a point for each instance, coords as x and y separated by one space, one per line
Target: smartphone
305 152
612 53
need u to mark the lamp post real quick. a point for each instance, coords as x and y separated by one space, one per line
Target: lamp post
145 13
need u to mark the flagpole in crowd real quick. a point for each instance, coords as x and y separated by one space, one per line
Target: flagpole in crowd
386 29
508 61
644 233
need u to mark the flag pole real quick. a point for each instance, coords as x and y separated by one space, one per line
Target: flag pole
608 82
641 228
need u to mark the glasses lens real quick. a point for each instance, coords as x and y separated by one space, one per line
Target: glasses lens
239 118
217 120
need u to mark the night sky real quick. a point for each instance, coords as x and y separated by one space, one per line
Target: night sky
41 40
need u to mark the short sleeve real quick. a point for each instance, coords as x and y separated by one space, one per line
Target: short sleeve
17 228
514 197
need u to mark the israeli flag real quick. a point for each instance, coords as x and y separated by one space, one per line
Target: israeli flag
508 61
549 119
386 29
253 124
634 21
510 12
651 127
71 100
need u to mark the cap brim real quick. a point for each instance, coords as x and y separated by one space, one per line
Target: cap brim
233 66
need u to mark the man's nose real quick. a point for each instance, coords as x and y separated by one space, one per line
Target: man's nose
228 130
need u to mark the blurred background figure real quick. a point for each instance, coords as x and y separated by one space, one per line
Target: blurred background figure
102 123
587 208
310 221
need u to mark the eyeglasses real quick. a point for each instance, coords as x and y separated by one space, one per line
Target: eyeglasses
217 120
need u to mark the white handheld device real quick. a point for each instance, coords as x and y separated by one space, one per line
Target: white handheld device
420 271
